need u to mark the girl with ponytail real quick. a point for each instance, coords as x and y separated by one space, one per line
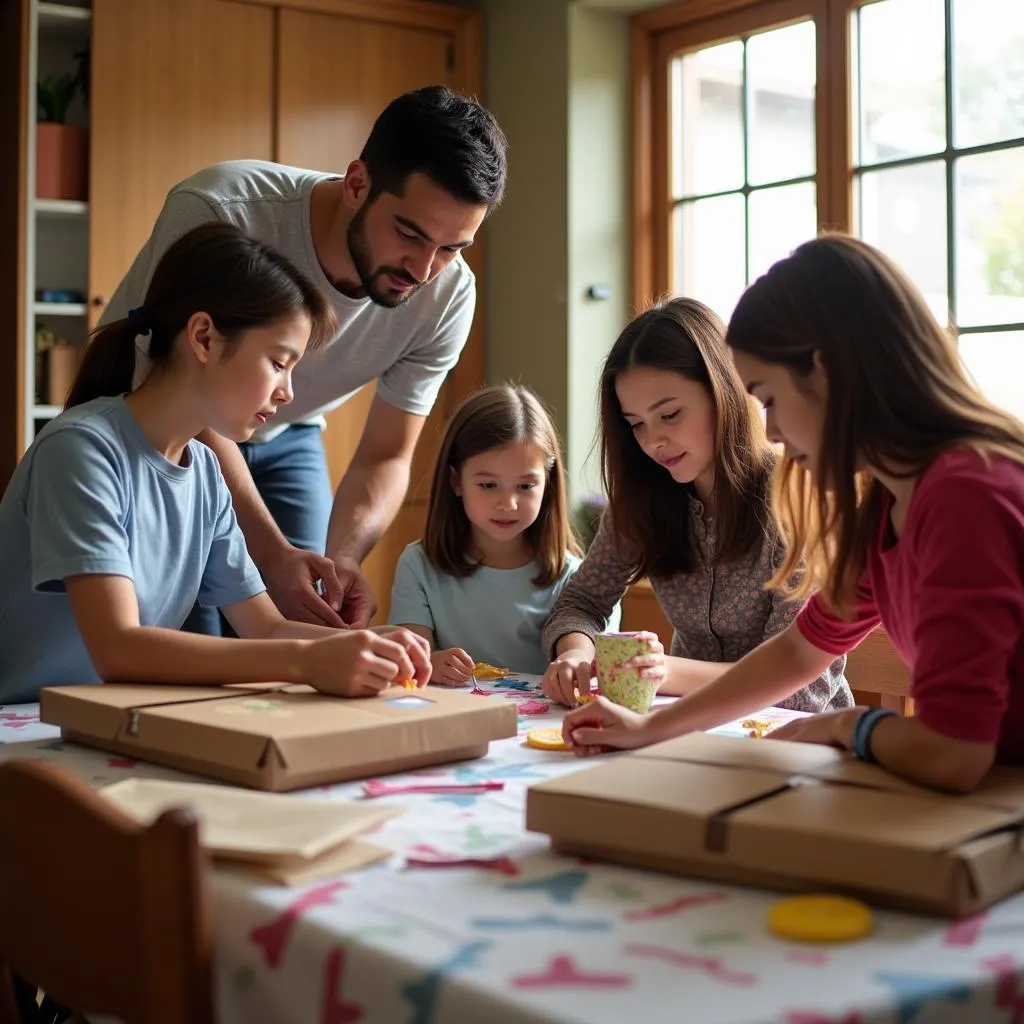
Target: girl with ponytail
117 519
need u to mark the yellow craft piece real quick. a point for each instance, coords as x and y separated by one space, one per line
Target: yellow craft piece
546 739
408 684
820 919
582 698
484 671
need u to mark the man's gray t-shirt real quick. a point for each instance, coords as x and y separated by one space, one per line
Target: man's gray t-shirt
92 496
410 348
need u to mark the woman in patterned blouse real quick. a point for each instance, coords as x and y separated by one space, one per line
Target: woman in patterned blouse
687 470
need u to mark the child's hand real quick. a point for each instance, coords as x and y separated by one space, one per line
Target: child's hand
570 672
362 662
416 647
453 667
601 726
651 665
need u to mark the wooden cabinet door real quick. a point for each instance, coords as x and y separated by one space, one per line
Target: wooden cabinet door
336 73
176 85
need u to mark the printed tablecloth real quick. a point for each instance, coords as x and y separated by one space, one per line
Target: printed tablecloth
530 936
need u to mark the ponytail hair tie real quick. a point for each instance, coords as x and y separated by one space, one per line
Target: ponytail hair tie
138 318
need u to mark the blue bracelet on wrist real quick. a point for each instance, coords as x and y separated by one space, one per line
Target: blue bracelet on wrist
860 742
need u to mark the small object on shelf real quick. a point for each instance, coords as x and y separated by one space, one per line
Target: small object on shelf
61 148
56 367
59 295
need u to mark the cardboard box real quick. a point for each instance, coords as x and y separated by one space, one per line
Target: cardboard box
791 816
279 738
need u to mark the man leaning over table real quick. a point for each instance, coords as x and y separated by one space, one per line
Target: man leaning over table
384 243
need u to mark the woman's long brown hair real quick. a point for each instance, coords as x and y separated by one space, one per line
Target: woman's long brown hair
492 418
649 510
898 397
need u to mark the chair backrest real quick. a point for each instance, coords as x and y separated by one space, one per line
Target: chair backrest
875 667
105 915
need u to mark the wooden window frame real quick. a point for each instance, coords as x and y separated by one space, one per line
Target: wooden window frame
690 25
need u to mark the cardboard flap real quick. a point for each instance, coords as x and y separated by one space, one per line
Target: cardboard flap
102 710
702 791
781 757
158 729
1002 787
416 722
894 820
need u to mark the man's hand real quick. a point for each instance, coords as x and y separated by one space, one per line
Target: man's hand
357 603
291 577
308 587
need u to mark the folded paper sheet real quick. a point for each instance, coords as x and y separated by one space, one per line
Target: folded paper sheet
288 839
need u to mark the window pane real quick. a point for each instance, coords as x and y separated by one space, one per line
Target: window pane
902 211
996 361
781 73
707 136
988 57
900 66
709 255
990 238
780 219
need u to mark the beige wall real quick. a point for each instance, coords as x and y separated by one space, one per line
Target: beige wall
599 224
558 81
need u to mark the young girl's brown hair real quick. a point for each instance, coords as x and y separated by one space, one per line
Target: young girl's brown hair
216 268
493 418
898 397
648 508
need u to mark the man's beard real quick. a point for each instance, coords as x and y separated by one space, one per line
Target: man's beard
374 279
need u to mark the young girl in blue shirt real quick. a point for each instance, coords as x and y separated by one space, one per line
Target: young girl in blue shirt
117 518
498 546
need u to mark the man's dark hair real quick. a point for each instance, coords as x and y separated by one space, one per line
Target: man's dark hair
449 137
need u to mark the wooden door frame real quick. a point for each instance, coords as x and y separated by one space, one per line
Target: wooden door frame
691 24
14 127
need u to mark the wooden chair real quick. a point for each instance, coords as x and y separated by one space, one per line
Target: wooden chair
875 669
107 916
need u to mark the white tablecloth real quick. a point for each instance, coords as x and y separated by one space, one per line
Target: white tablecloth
535 937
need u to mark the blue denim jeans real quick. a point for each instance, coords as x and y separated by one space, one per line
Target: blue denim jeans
291 475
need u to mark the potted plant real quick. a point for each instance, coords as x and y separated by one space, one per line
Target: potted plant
61 148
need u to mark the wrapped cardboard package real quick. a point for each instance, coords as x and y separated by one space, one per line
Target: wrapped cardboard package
279 738
791 816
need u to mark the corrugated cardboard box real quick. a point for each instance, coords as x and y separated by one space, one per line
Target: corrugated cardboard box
791 816
279 738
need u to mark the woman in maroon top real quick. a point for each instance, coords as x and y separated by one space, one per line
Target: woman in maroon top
902 490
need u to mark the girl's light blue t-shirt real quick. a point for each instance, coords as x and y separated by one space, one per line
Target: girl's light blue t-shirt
92 496
495 615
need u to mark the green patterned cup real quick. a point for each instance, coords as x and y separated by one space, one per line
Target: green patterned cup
624 685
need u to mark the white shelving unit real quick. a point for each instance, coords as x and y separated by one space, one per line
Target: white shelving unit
57 238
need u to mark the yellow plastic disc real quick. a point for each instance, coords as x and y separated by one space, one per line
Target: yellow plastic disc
546 739
820 919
